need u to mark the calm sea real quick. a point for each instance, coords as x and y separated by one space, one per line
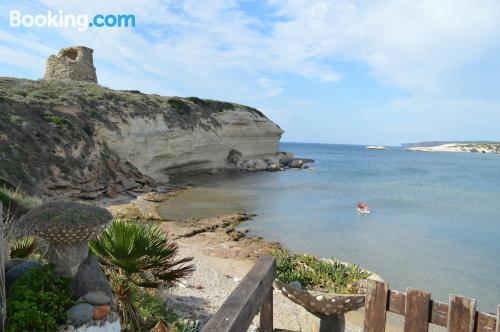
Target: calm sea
435 221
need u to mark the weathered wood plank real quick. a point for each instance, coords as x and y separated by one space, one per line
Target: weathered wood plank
498 319
417 310
439 313
375 306
461 314
485 322
237 312
396 302
266 313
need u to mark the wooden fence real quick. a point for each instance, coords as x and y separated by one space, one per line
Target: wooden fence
419 310
254 294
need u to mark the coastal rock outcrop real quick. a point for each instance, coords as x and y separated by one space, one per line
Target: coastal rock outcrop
221 139
67 136
459 147
74 139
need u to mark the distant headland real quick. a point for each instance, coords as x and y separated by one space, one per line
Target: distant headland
449 146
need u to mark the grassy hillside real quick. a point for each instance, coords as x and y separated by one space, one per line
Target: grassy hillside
47 132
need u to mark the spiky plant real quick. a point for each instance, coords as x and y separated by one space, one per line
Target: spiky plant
22 247
135 255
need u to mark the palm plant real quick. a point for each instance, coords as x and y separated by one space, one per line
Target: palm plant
23 247
136 255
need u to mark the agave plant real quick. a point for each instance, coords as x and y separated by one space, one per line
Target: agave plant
22 247
136 255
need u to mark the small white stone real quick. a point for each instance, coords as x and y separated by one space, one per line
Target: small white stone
319 298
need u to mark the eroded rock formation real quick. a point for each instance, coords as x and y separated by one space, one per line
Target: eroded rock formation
158 147
78 139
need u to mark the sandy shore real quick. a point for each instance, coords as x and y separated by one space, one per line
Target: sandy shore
223 254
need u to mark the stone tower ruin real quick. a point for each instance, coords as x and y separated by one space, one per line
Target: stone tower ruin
72 63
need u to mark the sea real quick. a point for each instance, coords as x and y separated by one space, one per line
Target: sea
434 222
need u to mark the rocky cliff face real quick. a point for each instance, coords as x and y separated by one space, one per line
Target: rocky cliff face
69 138
158 147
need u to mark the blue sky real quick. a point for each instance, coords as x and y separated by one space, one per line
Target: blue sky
361 72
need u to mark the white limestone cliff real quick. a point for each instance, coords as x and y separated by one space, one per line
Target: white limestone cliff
158 148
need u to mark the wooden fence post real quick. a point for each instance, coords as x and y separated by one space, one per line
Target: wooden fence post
461 314
254 293
498 319
418 305
266 313
375 306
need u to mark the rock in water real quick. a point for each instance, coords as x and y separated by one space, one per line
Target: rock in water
80 313
18 271
296 163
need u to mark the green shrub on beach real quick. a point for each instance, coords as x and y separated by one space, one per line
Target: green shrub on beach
38 301
22 247
152 308
319 274
137 256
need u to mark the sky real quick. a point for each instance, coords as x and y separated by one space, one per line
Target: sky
338 71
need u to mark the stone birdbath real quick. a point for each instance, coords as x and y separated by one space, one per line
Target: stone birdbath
321 311
67 227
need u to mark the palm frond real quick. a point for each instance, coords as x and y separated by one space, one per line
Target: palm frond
22 247
142 251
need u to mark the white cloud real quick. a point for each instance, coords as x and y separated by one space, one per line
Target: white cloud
407 43
215 49
272 88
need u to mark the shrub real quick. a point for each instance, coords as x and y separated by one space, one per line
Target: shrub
15 202
57 120
179 106
37 301
152 309
91 112
212 105
137 256
22 247
316 273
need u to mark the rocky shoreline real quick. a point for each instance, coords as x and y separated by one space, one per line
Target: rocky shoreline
223 253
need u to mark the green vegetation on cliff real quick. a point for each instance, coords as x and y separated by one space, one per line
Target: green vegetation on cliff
49 132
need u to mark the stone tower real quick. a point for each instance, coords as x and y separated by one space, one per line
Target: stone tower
72 63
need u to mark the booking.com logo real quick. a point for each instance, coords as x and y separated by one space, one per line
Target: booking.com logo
62 20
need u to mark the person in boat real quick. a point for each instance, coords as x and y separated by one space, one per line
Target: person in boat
363 206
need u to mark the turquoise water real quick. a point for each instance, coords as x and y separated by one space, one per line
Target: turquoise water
435 221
